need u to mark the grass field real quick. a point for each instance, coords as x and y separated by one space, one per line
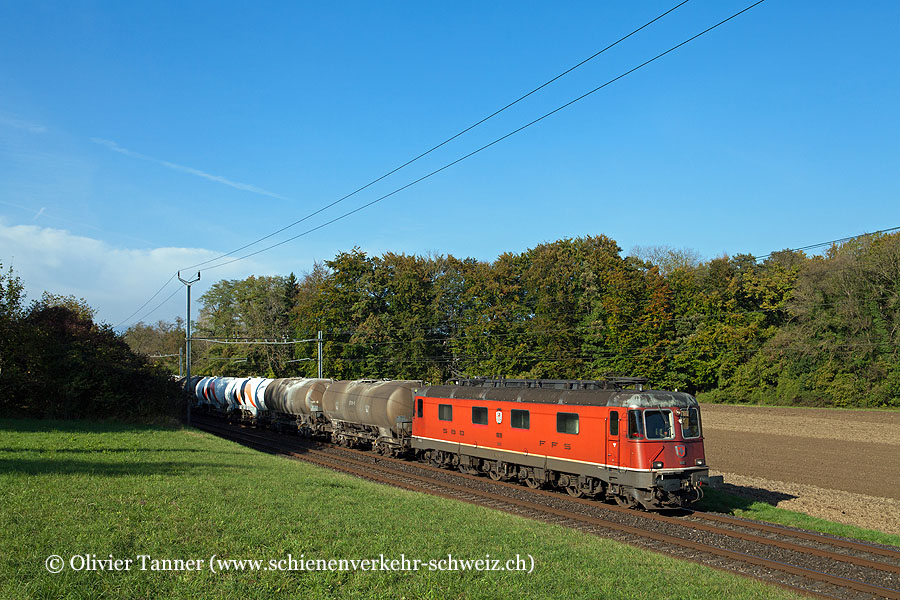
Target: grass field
76 488
718 501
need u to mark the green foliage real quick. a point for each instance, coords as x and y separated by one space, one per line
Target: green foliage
56 362
791 329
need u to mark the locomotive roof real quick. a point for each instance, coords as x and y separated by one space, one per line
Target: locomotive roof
627 398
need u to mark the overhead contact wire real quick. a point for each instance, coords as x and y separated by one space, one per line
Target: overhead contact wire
486 146
446 141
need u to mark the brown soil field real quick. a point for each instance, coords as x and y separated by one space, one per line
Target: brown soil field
842 465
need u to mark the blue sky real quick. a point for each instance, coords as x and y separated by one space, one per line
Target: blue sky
140 138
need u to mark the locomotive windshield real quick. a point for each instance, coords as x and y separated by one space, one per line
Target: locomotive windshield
690 423
655 424
659 424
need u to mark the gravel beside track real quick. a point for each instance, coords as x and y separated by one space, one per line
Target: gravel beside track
808 561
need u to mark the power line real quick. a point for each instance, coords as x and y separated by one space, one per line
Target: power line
126 319
262 342
158 306
486 146
411 161
445 142
479 149
829 243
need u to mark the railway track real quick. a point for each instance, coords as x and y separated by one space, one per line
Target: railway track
807 562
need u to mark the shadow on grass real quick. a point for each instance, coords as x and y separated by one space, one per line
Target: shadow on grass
726 498
107 469
50 425
103 450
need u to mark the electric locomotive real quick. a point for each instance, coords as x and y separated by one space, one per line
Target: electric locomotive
592 438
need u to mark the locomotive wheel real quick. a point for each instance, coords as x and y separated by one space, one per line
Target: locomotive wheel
574 491
495 475
532 483
464 469
624 501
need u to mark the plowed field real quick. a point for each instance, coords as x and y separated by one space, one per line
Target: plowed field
843 465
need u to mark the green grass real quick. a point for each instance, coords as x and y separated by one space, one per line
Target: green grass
72 488
719 501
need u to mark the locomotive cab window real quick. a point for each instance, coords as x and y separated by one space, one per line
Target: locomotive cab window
479 415
690 423
659 424
519 419
567 422
635 424
419 408
445 412
613 423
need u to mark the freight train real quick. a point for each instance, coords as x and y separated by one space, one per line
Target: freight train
611 440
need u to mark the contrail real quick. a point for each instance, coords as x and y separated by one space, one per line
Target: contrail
246 187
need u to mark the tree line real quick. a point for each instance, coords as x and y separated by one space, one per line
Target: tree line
789 329
56 362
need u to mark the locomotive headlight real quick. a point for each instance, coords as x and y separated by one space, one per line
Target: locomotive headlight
658 464
700 462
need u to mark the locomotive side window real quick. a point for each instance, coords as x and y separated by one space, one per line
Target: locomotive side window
659 424
519 419
479 415
635 424
613 423
567 422
419 408
445 412
690 423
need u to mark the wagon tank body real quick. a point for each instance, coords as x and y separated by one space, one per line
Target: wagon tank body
201 391
219 386
191 387
370 402
232 393
259 392
295 396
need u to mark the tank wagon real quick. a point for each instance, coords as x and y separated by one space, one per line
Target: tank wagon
610 440
295 405
371 412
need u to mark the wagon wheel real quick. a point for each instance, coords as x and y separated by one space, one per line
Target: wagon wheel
574 491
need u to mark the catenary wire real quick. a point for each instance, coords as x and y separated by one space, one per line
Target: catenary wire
488 145
149 300
349 213
445 142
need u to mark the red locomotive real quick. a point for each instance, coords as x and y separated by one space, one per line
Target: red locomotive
601 439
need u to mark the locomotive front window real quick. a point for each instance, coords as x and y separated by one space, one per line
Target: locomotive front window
479 415
690 423
567 422
659 424
445 412
635 424
519 419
